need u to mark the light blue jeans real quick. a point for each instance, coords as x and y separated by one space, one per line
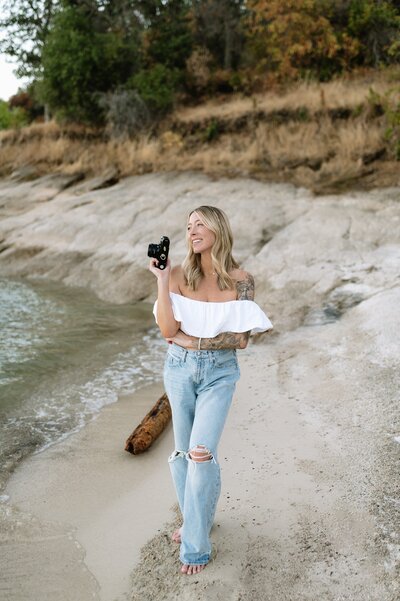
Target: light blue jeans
200 386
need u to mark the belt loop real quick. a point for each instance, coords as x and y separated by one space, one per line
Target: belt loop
185 355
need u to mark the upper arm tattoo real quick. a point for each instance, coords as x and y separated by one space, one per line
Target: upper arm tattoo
245 288
245 291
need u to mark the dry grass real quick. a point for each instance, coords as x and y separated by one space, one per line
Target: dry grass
314 152
313 96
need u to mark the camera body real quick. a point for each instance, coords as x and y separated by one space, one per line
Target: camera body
160 252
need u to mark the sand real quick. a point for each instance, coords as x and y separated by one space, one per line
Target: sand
301 477
85 507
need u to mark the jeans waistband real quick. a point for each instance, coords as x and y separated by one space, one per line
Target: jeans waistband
181 353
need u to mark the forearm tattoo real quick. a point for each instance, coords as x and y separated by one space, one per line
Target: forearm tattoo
245 288
226 340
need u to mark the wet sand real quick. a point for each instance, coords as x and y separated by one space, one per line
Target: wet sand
81 510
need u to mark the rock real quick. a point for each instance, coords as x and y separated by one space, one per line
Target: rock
313 259
25 173
109 178
338 302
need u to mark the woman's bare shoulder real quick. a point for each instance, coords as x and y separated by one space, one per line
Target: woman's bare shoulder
244 284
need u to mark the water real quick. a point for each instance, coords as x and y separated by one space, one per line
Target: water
64 354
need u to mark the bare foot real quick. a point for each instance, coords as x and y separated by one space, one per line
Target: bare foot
195 569
176 536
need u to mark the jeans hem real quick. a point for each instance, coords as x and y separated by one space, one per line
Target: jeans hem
195 563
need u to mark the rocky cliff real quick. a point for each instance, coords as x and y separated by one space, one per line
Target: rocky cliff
312 258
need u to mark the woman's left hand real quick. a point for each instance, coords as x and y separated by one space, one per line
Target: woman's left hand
183 340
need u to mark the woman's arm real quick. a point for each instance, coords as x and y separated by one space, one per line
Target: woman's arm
165 316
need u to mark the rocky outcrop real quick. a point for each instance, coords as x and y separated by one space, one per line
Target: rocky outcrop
312 258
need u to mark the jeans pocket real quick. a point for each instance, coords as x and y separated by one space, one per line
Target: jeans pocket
172 361
227 364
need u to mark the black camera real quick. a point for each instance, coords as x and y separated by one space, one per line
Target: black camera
160 252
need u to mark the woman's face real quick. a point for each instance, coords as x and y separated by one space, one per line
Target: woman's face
200 237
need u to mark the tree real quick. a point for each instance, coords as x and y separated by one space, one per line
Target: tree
81 59
25 27
219 28
293 37
377 26
167 35
296 37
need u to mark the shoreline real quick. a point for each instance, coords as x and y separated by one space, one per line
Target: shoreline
87 509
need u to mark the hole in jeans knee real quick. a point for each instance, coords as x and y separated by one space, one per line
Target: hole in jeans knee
200 454
176 454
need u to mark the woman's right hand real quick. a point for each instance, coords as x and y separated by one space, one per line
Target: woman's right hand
161 274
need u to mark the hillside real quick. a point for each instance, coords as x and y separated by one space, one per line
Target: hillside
326 137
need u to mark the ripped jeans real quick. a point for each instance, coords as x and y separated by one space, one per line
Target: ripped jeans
200 386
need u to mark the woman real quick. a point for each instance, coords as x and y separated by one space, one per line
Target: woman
205 310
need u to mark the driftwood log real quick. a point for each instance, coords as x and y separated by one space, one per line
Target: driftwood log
150 427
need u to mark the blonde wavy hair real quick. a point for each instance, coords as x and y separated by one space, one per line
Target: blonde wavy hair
221 253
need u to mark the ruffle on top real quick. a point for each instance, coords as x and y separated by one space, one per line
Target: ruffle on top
208 319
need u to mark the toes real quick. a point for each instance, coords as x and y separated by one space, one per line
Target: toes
176 536
194 569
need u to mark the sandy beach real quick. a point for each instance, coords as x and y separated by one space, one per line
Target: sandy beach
294 520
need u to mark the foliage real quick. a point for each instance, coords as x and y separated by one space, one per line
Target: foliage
24 27
295 38
218 27
389 103
156 87
126 113
212 131
11 117
376 25
198 70
81 61
167 35
86 58
26 101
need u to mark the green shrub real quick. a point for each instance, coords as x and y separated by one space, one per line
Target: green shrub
11 117
376 25
388 105
212 131
156 86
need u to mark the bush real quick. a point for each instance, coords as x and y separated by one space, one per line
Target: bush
26 100
11 117
377 27
156 87
198 71
293 37
126 113
388 105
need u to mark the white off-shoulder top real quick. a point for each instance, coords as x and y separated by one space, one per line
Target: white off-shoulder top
208 319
